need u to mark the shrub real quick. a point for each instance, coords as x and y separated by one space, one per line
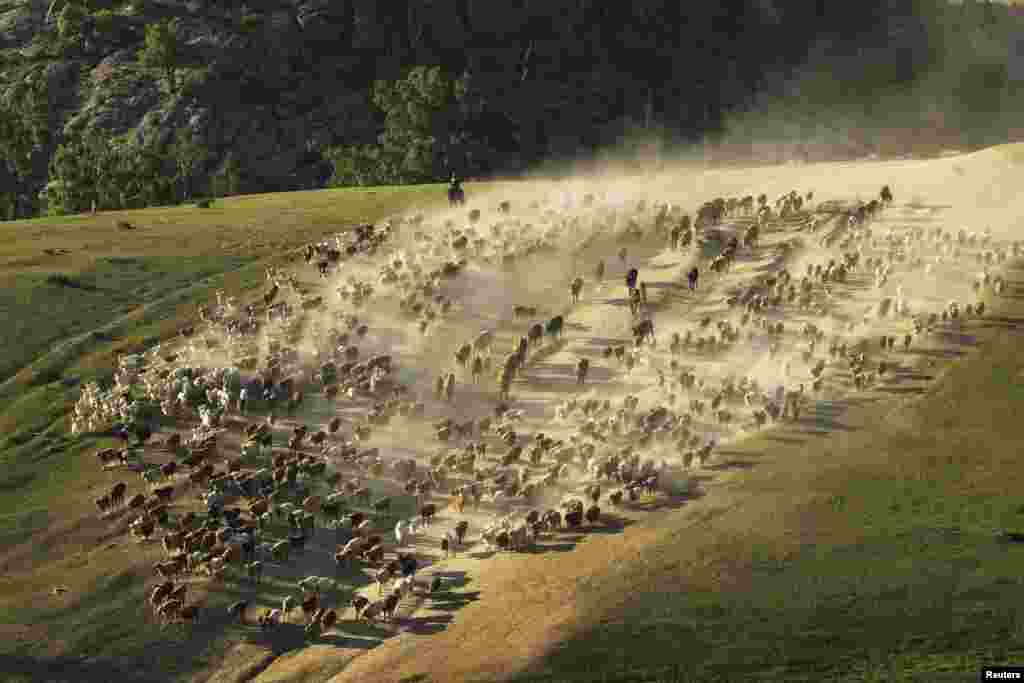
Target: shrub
62 280
362 165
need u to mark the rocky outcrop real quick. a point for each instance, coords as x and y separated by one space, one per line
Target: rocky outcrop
266 88
324 20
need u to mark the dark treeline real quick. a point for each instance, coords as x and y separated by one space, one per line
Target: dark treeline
478 88
561 78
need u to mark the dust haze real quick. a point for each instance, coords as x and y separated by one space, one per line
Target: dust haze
582 220
939 242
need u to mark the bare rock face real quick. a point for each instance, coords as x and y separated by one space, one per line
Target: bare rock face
323 20
275 92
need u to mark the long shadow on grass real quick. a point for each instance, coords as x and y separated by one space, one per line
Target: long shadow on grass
449 602
427 624
1003 322
898 390
781 438
733 464
347 641
69 670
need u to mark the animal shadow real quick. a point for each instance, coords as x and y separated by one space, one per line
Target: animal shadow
427 624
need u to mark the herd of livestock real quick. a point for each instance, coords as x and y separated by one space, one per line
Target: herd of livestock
247 479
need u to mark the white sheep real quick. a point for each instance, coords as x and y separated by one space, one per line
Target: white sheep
400 531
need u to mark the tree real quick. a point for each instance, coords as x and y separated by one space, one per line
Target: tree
160 51
71 24
229 180
189 156
15 140
68 187
422 120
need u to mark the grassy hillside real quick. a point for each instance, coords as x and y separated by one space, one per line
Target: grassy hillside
872 554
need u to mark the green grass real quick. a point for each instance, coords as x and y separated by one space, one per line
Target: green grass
932 592
899 573
103 626
43 309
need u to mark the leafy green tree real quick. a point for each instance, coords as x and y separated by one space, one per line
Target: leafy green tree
363 165
87 168
229 180
71 24
68 186
15 139
105 22
153 186
29 102
160 51
189 156
421 122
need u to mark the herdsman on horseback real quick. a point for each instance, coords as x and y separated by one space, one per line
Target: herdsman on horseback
456 195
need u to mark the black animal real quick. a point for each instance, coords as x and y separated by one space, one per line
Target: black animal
408 564
643 330
535 333
631 277
692 278
456 195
